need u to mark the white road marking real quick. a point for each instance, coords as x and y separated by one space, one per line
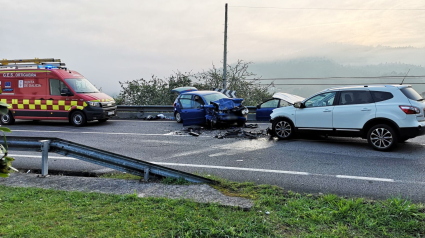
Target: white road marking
232 168
241 169
103 133
365 178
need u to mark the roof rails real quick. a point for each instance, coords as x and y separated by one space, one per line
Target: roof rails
48 63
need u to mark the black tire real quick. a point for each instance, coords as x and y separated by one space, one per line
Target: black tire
7 119
283 128
78 119
103 120
178 117
382 137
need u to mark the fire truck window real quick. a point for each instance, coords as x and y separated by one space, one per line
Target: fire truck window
56 87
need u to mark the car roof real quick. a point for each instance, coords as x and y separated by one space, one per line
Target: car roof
202 93
373 86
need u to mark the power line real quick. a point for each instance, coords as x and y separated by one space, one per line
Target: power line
335 9
297 84
333 78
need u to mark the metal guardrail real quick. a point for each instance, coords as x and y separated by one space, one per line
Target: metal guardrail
96 156
159 108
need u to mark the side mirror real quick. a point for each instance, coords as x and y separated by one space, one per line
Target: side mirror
66 92
298 105
258 106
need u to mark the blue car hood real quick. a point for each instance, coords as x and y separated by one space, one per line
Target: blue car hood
228 103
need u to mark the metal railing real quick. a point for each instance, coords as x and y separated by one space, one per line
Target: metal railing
159 108
96 156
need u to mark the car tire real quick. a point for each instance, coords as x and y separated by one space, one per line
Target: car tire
78 119
103 120
283 128
178 117
382 137
7 119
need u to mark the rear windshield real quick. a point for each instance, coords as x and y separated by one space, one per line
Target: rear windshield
410 93
214 97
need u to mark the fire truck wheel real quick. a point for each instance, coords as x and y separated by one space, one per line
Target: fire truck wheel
7 119
78 118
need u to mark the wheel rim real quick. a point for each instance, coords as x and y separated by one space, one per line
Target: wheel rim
178 118
283 129
78 119
381 138
5 118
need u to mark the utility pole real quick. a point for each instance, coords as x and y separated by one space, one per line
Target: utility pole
225 51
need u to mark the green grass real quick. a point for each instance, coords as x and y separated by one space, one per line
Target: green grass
32 212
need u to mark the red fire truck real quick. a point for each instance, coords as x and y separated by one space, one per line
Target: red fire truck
45 89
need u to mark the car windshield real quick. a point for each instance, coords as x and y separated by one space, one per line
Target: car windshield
214 97
81 85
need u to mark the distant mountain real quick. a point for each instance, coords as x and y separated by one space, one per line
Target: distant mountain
341 60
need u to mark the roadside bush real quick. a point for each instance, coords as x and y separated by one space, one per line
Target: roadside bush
156 91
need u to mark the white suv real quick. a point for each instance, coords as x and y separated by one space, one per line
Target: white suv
384 114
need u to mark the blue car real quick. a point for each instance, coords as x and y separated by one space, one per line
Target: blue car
279 100
209 108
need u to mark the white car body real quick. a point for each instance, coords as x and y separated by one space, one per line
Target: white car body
347 117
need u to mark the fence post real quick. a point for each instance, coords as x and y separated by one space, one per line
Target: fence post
146 177
45 146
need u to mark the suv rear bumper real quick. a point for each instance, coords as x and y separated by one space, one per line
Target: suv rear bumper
410 132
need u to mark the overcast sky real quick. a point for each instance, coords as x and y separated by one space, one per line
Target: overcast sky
110 41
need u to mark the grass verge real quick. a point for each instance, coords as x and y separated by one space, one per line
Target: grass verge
33 212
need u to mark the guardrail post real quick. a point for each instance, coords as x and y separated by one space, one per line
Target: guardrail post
45 146
146 177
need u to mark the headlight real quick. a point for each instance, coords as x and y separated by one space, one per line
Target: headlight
245 111
94 104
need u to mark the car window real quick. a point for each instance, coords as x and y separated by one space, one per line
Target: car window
284 103
355 97
270 104
410 93
199 100
56 87
321 100
186 101
214 97
381 96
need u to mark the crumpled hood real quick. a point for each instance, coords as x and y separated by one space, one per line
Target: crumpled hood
288 97
100 97
228 103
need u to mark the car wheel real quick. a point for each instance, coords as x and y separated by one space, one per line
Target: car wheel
283 129
103 120
78 118
7 119
382 137
178 117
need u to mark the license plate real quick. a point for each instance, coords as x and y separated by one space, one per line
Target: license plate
111 113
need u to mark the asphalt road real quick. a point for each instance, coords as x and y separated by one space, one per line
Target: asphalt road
344 166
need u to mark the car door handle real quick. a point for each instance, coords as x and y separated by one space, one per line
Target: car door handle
365 109
327 110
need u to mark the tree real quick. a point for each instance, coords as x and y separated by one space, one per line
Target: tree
158 91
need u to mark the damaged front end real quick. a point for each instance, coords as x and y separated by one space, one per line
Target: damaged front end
226 111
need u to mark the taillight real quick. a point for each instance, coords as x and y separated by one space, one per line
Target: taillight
410 109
